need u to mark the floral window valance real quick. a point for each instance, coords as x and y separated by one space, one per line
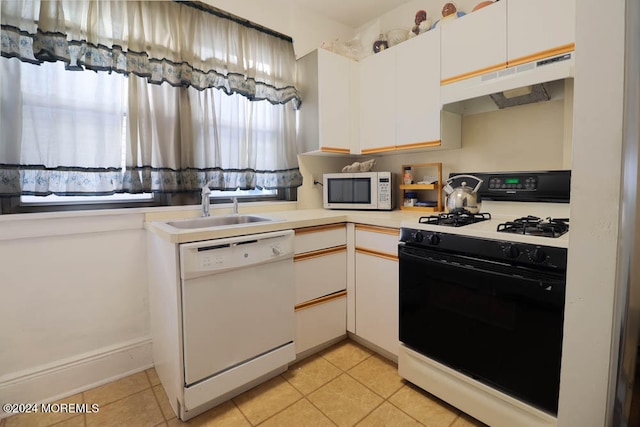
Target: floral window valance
173 42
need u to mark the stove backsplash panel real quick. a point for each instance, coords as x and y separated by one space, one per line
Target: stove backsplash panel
549 186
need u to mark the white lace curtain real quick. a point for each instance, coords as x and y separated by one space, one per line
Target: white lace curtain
179 96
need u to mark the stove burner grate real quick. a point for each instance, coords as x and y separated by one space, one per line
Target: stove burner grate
534 226
454 219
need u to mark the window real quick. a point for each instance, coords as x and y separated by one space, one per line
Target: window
94 118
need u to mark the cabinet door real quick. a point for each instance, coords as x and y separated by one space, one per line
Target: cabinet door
475 44
377 301
326 116
334 109
376 268
539 29
418 90
377 102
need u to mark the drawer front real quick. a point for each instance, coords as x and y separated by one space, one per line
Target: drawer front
321 275
318 324
377 239
311 239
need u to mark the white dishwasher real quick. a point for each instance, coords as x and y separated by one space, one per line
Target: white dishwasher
238 300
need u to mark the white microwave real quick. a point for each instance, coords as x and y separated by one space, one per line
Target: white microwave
357 190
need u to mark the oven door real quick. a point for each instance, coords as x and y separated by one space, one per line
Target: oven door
497 323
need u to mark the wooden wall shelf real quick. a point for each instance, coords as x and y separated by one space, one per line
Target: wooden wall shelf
419 170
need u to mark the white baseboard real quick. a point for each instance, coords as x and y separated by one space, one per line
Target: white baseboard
54 381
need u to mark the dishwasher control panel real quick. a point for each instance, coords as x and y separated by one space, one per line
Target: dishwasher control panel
211 256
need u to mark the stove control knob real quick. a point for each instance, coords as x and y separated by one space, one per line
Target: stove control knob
511 251
418 237
433 239
537 255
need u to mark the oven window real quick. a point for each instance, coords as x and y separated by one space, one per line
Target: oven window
349 190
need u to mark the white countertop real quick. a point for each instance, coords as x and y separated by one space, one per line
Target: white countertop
298 218
288 219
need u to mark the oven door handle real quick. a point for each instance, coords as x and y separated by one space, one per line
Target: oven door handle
538 278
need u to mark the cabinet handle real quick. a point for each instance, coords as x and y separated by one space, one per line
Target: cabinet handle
377 229
319 228
378 254
319 253
321 300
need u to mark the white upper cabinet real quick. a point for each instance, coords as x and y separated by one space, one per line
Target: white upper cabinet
400 99
475 44
325 80
539 29
378 102
418 91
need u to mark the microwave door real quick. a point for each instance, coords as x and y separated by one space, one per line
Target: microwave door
349 193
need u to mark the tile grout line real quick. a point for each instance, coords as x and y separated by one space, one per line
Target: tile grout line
384 399
320 410
402 410
84 416
126 397
279 412
123 397
368 388
233 400
155 397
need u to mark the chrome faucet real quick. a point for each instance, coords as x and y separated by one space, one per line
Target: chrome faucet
235 205
205 198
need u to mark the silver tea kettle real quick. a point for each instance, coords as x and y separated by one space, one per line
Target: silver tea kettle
463 198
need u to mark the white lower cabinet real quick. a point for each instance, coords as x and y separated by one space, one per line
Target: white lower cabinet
376 279
320 265
320 323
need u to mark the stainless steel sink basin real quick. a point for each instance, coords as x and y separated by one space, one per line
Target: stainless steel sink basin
217 221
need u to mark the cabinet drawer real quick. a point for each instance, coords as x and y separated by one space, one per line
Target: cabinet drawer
323 236
377 239
320 323
317 276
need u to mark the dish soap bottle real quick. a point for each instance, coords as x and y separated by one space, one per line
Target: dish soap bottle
407 178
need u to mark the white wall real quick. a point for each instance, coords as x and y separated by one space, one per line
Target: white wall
312 167
74 300
307 29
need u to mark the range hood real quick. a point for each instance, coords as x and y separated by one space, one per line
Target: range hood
530 82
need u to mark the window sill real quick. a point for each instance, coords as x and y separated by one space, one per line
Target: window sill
64 223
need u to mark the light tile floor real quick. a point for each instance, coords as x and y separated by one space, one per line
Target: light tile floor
344 385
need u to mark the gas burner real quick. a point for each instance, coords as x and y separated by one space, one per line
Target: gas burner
454 219
534 226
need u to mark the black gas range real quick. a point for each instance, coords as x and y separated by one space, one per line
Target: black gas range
514 187
529 225
483 294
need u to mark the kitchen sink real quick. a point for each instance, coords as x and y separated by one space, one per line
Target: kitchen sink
218 221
